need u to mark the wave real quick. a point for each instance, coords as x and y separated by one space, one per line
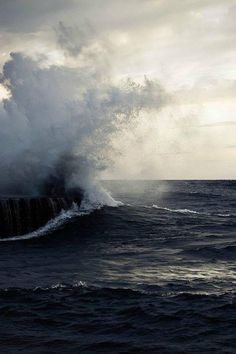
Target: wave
225 215
113 291
94 199
155 206
182 211
219 252
189 211
51 225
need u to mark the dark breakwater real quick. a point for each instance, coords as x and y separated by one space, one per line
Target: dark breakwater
21 215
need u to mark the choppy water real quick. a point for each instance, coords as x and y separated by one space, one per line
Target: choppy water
156 275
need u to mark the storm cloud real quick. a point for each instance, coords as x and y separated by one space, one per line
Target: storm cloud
189 46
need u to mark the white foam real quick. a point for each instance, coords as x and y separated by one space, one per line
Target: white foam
51 225
225 215
189 211
182 211
94 199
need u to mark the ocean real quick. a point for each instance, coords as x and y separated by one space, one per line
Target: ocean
154 273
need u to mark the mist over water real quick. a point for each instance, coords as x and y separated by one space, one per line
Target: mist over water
58 122
58 125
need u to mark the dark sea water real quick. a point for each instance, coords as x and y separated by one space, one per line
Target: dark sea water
156 275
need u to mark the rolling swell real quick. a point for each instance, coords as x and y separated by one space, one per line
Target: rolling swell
134 279
76 317
188 211
28 218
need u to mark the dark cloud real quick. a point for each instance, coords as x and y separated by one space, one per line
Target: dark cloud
192 41
27 16
72 39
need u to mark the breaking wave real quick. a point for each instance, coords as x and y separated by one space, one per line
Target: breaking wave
94 199
189 211
181 211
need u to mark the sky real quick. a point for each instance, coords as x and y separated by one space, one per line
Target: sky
187 46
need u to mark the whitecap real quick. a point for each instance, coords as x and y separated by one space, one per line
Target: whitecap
181 211
94 199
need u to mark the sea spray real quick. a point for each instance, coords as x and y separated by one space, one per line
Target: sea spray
94 198
60 121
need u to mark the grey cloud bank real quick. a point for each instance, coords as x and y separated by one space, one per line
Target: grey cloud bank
93 45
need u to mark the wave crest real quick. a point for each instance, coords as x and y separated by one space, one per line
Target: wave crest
181 211
95 198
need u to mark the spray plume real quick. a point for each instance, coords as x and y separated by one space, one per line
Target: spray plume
57 123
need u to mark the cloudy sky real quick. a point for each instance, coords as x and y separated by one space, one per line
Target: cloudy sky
188 46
